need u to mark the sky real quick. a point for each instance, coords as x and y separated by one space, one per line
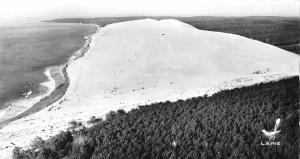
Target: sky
48 9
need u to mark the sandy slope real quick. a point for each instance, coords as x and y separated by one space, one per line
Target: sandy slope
144 61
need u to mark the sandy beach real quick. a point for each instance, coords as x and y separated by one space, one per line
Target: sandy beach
19 106
147 61
55 88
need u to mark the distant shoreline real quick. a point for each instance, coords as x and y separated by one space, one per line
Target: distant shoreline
59 90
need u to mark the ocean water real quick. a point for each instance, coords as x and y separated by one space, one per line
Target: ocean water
26 50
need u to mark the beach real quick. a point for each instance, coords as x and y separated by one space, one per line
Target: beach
56 86
35 94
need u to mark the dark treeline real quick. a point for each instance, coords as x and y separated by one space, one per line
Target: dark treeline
283 32
225 125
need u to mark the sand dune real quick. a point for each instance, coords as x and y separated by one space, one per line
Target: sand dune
145 61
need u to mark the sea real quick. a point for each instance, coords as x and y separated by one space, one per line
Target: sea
27 51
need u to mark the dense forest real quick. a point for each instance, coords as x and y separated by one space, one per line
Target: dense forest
225 125
283 32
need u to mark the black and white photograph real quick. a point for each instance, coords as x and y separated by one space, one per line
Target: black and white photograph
149 79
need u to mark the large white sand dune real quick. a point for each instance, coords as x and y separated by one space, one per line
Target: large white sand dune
144 61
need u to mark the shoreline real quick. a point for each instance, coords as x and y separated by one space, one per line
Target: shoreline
60 89
20 105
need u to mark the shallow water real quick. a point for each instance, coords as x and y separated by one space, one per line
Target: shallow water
26 50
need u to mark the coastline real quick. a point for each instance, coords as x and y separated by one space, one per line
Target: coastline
18 106
60 86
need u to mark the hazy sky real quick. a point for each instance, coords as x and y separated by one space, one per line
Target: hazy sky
92 8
